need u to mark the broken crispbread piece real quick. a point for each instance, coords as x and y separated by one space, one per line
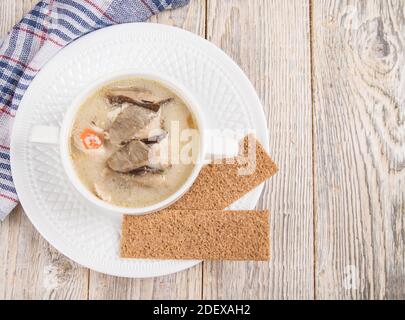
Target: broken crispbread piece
220 184
202 235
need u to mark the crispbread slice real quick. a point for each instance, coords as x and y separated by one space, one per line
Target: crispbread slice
202 235
220 184
165 234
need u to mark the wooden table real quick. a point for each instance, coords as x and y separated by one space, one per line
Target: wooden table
331 76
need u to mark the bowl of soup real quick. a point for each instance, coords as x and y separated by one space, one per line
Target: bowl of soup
133 142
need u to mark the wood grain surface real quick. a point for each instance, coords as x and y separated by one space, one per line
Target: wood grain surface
183 285
359 100
331 76
276 57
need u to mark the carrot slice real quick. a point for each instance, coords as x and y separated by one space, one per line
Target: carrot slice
91 139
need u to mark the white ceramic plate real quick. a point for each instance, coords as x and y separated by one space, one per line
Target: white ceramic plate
78 229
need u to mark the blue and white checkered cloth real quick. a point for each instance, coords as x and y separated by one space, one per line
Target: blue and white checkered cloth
50 26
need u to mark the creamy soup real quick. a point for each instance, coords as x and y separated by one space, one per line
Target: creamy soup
125 144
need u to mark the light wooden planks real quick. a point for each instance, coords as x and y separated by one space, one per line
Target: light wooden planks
11 11
270 40
29 267
359 77
183 285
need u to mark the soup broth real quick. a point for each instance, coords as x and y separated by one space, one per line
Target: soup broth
122 142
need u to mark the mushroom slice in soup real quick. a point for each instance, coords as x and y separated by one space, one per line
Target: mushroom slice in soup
115 111
138 96
159 154
133 122
151 180
130 157
145 170
156 136
137 154
118 187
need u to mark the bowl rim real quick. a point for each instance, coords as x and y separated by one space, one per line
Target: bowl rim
65 135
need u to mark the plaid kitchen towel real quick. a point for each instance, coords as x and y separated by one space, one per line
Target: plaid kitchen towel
50 26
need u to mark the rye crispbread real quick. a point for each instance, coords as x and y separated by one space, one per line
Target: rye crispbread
202 235
220 184
217 186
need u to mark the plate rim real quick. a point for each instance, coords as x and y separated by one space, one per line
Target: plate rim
46 230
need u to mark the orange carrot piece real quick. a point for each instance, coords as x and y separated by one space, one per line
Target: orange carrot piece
91 139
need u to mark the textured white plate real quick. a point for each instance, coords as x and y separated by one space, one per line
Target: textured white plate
75 227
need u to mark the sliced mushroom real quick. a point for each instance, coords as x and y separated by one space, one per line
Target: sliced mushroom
151 180
138 96
118 187
137 155
133 122
130 157
115 111
156 137
159 154
144 170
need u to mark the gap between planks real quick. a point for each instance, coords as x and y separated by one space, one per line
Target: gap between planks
312 55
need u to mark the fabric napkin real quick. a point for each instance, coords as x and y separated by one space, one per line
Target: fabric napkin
47 28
